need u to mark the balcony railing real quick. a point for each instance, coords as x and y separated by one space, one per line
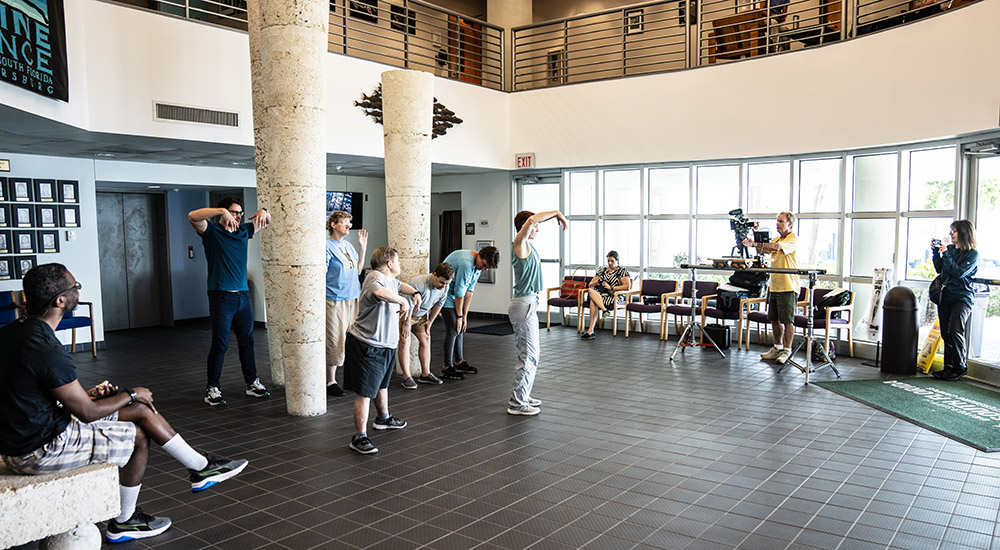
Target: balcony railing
644 38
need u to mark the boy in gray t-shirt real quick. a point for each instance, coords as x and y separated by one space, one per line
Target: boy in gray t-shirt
371 345
433 290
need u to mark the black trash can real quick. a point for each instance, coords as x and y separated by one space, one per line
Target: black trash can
899 332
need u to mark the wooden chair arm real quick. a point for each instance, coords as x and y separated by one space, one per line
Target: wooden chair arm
548 292
704 302
90 309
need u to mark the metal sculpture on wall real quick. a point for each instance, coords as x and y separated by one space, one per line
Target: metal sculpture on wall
444 118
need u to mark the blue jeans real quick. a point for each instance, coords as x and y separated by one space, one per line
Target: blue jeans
522 315
230 311
454 341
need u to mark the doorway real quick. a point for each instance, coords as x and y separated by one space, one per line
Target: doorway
134 265
446 215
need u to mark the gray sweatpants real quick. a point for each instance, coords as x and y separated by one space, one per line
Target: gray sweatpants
521 312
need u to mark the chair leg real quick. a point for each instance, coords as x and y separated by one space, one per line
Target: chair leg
628 321
548 316
93 339
73 346
614 321
850 342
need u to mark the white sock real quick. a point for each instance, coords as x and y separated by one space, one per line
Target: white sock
190 458
779 347
130 495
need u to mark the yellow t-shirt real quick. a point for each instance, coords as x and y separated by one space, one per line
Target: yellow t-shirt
785 258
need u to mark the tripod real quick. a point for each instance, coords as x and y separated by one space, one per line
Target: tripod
687 336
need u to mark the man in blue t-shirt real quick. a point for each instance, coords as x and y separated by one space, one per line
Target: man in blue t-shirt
343 286
468 265
229 306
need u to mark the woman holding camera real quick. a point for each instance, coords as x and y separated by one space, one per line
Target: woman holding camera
957 264
602 288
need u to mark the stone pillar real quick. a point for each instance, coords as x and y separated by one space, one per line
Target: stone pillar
288 79
407 114
508 14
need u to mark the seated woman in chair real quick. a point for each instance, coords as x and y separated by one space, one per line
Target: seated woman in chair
602 288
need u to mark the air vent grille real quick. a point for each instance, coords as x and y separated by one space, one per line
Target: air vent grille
165 111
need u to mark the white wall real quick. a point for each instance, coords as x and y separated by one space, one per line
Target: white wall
81 255
932 79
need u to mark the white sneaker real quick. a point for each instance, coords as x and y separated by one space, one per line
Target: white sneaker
783 356
772 353
526 410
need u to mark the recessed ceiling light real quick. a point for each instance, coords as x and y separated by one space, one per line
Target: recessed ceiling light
105 155
152 187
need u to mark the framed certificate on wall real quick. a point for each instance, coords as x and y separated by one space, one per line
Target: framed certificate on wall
69 191
5 244
23 215
21 189
6 268
45 190
4 215
24 242
47 215
48 241
69 216
22 264
3 190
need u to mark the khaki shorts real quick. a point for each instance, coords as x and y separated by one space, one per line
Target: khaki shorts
104 441
339 316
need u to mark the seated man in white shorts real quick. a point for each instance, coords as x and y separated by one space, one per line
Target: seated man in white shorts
433 290
103 425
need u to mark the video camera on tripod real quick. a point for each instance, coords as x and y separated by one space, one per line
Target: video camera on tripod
741 226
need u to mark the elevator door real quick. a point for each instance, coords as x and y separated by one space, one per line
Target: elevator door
128 248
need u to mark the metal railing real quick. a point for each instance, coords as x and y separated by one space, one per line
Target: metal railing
644 38
409 34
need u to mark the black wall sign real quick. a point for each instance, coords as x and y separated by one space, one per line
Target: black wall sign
33 46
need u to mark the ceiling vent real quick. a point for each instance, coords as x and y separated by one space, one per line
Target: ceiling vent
180 113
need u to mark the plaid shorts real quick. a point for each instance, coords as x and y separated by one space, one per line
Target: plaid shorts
99 442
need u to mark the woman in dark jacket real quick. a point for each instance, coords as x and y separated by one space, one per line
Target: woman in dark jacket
957 264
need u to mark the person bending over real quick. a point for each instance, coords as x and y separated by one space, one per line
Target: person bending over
433 290
468 266
51 424
602 288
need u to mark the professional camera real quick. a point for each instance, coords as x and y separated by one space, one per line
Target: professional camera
936 243
741 226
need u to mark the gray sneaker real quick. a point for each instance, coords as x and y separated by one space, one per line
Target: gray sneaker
390 423
363 445
409 384
783 356
526 410
429 379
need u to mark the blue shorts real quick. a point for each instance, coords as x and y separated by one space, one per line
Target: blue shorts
367 368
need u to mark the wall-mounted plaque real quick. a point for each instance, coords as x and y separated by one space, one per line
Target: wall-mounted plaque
22 264
69 216
4 215
24 242
3 190
6 268
47 215
48 241
22 215
5 244
69 191
21 189
45 190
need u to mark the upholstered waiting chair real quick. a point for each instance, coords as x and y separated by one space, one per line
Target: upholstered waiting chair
649 288
756 312
563 303
73 322
8 307
827 323
682 306
714 312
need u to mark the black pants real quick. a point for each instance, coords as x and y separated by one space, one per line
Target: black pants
454 341
952 317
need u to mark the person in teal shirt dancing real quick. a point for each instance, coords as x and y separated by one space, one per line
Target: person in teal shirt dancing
523 307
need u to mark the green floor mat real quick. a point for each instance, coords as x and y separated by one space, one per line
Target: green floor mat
959 410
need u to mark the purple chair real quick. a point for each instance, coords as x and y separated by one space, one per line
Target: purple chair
756 312
828 323
715 313
657 291
682 304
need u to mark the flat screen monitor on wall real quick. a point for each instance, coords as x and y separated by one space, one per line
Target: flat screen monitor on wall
348 202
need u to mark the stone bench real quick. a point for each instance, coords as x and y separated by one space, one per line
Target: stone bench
59 508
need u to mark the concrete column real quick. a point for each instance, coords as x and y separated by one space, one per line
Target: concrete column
508 14
407 114
288 79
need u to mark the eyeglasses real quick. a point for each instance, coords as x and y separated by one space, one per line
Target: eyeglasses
236 213
76 286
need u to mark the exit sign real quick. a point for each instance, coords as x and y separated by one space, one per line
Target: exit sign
524 160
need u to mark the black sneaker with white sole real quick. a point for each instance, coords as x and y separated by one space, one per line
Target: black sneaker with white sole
141 525
217 471
452 374
363 445
388 423
465 368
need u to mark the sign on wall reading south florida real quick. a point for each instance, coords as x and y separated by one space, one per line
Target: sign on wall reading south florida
33 46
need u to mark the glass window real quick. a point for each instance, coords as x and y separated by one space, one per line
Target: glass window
546 241
581 242
669 191
818 244
873 245
668 243
623 236
714 239
582 193
621 192
769 187
932 179
988 219
875 183
550 275
540 198
819 185
919 232
718 189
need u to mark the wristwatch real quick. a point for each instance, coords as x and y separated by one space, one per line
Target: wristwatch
130 393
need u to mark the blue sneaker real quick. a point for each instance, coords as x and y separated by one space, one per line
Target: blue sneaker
217 471
141 525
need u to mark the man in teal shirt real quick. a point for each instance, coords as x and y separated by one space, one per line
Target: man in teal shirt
523 307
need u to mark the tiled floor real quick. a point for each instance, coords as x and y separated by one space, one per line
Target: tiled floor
630 451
